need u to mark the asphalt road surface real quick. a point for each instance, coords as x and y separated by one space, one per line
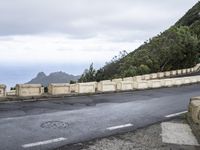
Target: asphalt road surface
53 123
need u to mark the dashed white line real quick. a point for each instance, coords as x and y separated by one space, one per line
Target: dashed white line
120 126
176 114
43 142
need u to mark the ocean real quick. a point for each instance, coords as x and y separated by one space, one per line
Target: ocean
10 75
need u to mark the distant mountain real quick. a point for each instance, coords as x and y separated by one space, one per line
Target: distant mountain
55 77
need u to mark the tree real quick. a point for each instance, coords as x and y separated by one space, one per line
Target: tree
88 75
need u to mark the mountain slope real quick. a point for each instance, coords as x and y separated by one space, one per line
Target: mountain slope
56 77
176 48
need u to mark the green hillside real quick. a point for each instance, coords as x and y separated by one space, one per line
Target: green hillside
177 47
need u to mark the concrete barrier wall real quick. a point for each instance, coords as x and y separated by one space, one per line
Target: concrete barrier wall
117 80
161 74
178 81
167 82
194 109
188 70
179 72
167 73
125 85
153 76
139 85
193 80
11 93
154 80
89 87
29 90
59 88
138 78
73 88
173 72
107 86
2 90
128 79
197 67
154 83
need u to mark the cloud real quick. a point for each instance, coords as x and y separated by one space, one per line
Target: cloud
80 31
87 18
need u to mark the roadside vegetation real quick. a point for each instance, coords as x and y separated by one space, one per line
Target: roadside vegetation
176 48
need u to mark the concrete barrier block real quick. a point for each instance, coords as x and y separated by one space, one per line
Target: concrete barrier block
188 70
88 87
178 81
140 85
147 77
117 80
2 90
128 79
125 85
196 67
11 93
59 88
167 82
29 90
186 80
107 86
173 72
161 74
198 78
154 83
154 76
184 71
193 79
195 111
137 78
167 73
179 72
73 88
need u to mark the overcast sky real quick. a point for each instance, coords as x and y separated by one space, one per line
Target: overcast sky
78 32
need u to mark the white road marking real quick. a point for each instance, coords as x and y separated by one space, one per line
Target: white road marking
176 114
120 126
178 133
43 142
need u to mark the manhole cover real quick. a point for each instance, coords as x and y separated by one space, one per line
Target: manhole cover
55 125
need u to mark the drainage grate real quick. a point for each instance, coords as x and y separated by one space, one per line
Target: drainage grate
54 125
